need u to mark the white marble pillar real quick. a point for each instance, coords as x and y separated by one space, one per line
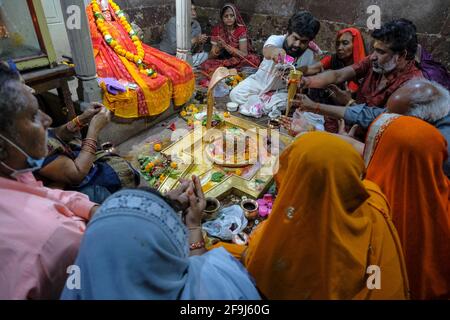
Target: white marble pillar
183 8
82 54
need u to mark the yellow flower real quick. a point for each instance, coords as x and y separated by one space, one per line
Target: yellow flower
157 147
238 172
149 166
190 122
162 178
173 165
154 76
129 56
226 114
183 113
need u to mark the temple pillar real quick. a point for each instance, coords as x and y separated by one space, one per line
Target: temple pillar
82 53
183 8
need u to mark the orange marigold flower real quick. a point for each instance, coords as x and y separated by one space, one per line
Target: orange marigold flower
157 147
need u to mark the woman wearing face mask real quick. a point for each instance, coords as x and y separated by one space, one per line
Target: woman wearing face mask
40 228
80 165
230 43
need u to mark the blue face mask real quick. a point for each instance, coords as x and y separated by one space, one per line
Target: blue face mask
33 163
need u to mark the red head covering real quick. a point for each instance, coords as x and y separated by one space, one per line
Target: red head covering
231 38
359 52
237 14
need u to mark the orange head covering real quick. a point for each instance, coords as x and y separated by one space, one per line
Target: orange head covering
405 158
326 228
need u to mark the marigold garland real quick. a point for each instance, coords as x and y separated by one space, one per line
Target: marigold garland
135 58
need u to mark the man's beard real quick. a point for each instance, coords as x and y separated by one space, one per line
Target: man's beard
295 54
386 67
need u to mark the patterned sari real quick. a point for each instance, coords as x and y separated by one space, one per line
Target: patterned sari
232 39
404 156
152 97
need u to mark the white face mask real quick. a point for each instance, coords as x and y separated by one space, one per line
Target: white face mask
33 163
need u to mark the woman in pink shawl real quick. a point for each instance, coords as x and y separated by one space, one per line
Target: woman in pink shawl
231 46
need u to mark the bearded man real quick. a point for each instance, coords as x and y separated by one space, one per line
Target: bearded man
267 88
380 74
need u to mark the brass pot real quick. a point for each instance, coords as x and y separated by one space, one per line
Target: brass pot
250 208
211 210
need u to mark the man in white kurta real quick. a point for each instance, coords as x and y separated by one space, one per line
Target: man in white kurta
265 92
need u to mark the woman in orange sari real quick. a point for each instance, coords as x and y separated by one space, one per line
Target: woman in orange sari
327 227
118 52
404 157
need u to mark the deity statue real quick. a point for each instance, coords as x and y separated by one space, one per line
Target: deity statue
151 78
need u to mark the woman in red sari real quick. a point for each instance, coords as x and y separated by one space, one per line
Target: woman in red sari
231 46
171 77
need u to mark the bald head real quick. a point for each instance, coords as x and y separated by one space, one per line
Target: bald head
420 98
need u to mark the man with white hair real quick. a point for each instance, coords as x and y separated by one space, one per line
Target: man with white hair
421 98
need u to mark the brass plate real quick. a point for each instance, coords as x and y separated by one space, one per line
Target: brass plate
253 182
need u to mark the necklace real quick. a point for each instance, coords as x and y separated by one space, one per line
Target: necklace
118 49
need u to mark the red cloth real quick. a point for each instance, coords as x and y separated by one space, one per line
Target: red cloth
232 39
372 91
326 62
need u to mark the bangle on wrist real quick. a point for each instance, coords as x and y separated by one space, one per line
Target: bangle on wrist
197 245
76 121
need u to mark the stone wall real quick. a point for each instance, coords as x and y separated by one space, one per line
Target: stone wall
267 17
150 15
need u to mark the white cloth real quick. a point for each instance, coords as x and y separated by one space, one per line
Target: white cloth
231 221
251 93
